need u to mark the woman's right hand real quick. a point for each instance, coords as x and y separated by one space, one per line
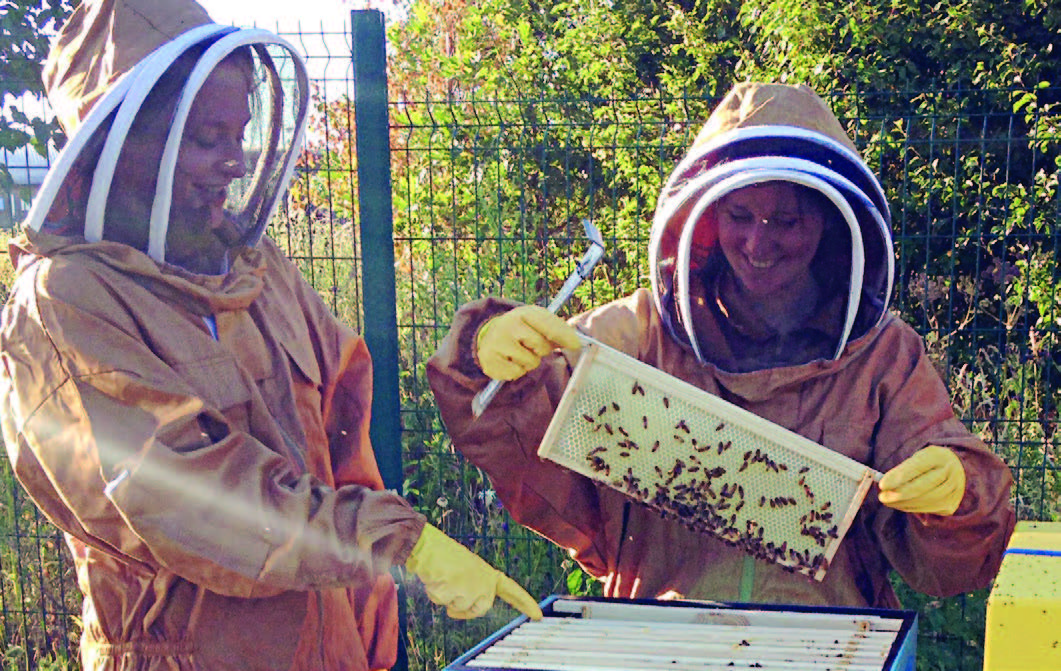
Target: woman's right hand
512 344
460 580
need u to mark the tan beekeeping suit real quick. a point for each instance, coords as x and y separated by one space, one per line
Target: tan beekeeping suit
871 394
202 440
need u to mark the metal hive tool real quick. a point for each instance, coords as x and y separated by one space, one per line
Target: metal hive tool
705 462
583 269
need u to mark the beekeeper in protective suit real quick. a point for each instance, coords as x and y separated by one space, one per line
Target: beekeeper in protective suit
771 264
176 398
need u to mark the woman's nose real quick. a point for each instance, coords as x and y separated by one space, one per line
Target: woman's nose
233 165
758 236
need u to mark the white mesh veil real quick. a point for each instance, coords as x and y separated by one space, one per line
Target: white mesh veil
272 140
752 155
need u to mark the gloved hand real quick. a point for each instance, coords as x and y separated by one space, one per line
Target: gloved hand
455 577
512 344
930 481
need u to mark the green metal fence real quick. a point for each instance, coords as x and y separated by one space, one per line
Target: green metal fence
472 197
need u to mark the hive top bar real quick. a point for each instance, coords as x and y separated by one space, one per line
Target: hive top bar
601 634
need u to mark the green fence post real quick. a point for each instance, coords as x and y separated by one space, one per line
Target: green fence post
376 226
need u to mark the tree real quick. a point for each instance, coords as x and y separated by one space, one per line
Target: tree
27 29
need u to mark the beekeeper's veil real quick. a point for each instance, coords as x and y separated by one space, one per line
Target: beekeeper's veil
107 59
761 133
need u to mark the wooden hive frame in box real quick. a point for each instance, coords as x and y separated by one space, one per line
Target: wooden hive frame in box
599 634
705 462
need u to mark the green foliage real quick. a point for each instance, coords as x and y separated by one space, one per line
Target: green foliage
38 586
950 631
324 247
27 25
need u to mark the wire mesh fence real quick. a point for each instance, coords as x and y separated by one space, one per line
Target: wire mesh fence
494 191
487 198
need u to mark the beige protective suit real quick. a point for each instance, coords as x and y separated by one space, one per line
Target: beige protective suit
857 381
202 440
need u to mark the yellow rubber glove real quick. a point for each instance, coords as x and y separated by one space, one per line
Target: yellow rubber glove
512 344
931 481
457 578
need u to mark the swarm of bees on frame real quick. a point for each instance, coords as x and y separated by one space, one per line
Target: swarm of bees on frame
702 489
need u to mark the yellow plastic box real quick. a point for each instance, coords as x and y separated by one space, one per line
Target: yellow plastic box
1024 609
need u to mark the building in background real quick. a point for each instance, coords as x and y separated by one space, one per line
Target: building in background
27 169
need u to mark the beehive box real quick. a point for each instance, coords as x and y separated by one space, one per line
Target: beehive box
1024 608
600 634
711 465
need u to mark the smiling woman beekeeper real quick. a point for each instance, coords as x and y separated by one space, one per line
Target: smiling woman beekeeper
771 262
176 398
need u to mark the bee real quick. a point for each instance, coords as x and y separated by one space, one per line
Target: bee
721 425
666 402
599 465
587 418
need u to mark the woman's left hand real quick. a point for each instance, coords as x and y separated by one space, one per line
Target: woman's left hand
931 481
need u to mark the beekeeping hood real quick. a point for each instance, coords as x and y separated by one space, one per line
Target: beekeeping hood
103 64
760 133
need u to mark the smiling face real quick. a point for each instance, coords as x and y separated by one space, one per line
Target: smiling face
209 160
769 235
